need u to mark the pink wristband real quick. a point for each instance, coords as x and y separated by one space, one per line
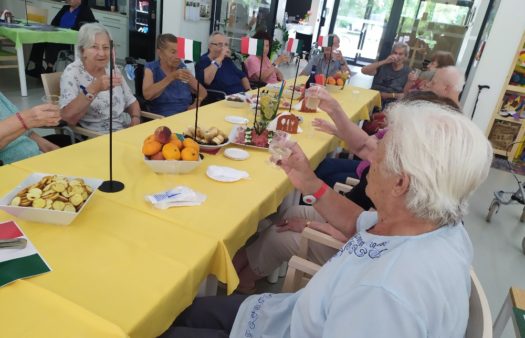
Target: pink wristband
22 121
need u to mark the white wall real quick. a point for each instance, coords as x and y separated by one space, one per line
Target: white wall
173 22
502 45
471 35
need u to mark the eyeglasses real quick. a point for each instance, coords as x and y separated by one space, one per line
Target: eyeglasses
220 44
102 48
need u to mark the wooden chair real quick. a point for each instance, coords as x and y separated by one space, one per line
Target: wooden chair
515 300
51 82
300 270
8 58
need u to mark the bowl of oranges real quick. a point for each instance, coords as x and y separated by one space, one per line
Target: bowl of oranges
169 153
337 81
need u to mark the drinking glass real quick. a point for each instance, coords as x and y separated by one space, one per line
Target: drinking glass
311 97
51 99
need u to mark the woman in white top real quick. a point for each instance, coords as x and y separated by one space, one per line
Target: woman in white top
84 86
404 272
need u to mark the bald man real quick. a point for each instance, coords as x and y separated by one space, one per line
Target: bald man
447 82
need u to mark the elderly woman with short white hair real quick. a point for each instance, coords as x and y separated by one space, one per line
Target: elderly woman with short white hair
84 86
405 271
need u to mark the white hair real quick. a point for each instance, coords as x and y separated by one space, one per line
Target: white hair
444 154
453 76
398 45
87 34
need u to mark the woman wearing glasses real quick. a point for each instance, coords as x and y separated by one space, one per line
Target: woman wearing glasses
84 86
217 71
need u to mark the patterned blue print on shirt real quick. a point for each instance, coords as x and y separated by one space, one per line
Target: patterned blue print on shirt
254 315
357 246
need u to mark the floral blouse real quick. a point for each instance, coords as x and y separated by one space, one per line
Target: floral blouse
97 116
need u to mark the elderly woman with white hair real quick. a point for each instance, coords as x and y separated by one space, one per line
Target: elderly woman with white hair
404 272
84 86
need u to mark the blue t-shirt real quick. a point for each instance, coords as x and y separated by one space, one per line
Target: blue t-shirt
175 98
375 286
68 19
20 148
227 79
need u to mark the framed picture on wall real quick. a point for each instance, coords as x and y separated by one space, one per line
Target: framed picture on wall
195 10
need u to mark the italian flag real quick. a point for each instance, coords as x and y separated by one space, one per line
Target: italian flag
294 46
325 41
188 49
252 46
16 263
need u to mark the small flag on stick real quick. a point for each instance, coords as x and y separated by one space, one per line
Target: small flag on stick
251 46
294 46
325 41
188 49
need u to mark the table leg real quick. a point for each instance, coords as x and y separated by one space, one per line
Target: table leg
21 69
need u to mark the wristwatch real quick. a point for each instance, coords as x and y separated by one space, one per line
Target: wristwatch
216 64
88 95
311 199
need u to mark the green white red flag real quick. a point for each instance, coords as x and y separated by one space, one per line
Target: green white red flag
325 41
188 49
16 263
294 46
250 46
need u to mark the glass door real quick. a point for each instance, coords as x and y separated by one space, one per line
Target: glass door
238 18
430 26
360 24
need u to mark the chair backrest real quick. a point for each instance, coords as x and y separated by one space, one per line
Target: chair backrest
479 319
51 82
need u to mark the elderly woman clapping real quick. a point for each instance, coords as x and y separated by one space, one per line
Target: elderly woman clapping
84 86
404 272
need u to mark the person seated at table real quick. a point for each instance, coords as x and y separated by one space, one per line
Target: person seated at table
17 139
438 60
330 61
70 16
168 84
447 82
279 242
217 71
84 86
405 272
270 73
391 74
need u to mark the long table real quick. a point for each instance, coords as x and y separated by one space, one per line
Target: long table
126 269
21 36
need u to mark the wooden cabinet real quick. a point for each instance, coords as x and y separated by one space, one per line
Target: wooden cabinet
506 130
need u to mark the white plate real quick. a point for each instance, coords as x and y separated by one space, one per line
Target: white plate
236 119
236 154
44 215
225 174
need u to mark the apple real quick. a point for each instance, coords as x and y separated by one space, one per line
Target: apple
163 134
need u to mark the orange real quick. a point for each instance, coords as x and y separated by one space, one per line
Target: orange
150 138
151 147
190 154
175 140
340 82
171 152
330 81
190 143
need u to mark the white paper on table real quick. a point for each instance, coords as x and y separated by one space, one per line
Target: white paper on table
178 196
226 174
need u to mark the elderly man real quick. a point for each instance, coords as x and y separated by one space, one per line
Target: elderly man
390 74
447 82
404 272
325 64
217 71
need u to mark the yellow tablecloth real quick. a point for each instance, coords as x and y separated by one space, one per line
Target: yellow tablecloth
124 268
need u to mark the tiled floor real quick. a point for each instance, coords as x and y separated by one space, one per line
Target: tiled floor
499 260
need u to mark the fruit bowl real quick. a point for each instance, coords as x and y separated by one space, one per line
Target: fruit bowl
333 88
172 166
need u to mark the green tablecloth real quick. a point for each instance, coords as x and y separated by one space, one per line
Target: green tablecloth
23 35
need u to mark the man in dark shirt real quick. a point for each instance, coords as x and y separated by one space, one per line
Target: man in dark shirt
390 74
218 72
